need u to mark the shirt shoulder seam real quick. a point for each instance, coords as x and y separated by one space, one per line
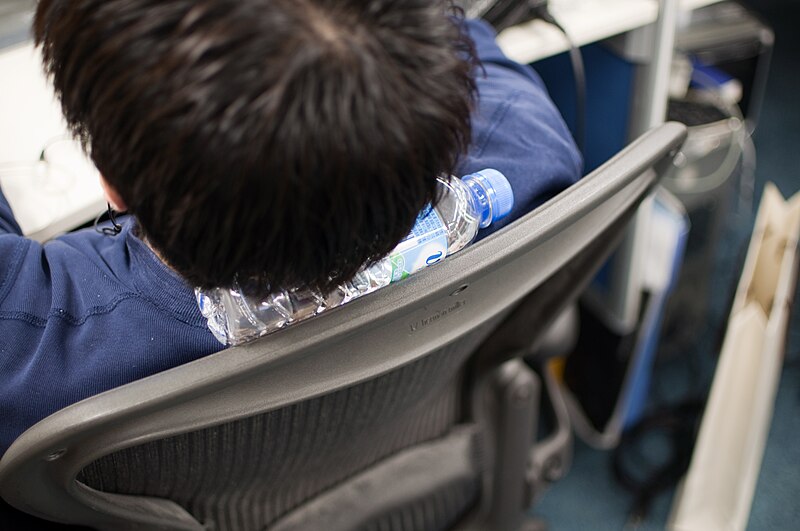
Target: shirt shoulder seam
496 119
59 313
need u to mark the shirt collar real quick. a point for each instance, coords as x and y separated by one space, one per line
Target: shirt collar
157 282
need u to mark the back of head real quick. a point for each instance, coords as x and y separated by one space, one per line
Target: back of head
284 141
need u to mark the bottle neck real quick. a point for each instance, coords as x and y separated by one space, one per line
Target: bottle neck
483 200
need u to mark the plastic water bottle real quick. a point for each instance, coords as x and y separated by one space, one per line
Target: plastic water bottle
465 205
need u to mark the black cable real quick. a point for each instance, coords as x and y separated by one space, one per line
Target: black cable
503 14
578 71
115 227
679 425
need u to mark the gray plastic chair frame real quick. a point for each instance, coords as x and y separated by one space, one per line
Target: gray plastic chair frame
348 345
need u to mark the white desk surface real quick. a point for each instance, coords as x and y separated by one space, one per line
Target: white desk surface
585 21
68 193
30 117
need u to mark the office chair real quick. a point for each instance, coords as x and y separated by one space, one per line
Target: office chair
408 409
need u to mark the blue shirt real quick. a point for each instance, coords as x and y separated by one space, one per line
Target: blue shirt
85 312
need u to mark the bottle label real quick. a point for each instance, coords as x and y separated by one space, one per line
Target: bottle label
424 246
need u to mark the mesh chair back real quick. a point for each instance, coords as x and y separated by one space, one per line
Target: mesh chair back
287 456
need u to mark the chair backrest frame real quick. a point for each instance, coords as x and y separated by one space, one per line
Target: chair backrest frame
351 344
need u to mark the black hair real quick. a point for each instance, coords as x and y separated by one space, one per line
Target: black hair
288 142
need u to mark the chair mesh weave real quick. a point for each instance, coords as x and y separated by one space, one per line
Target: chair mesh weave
245 474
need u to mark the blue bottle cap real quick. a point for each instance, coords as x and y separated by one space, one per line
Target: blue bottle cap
497 187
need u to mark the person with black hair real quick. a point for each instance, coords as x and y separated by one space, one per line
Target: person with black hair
288 142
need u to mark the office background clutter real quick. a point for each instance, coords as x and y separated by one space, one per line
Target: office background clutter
589 497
